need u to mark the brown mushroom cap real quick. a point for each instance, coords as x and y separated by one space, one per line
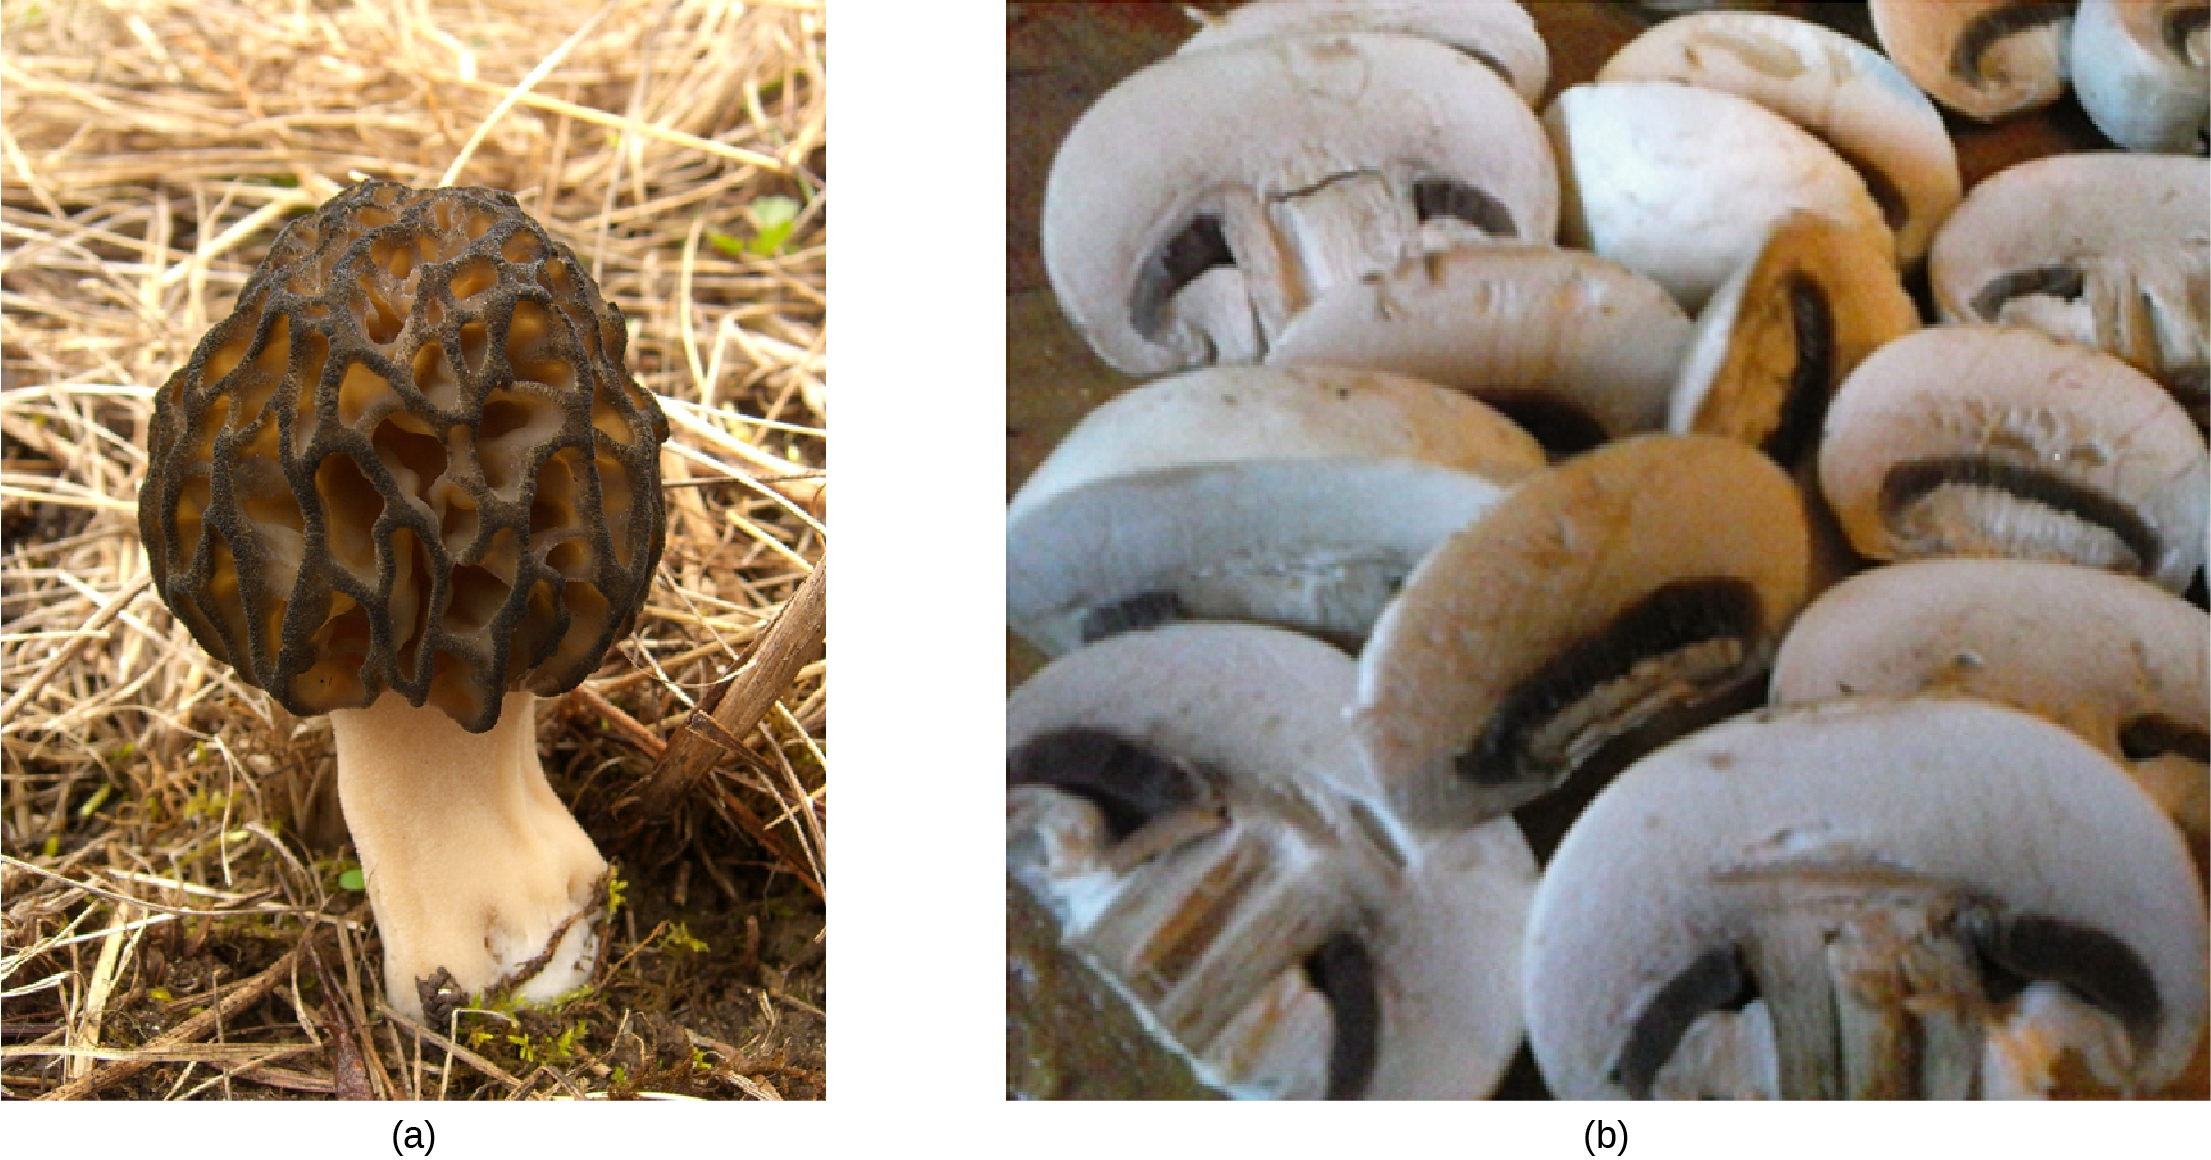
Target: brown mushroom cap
411 458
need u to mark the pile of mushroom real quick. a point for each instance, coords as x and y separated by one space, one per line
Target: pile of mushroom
1802 564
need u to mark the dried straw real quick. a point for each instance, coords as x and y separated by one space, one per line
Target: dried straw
170 835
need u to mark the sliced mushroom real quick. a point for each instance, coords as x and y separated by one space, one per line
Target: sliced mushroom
1200 204
1187 803
2109 250
1783 332
1984 58
1845 93
2115 660
1997 441
1648 575
1446 947
1298 497
1498 33
1861 898
2139 68
1574 348
1682 184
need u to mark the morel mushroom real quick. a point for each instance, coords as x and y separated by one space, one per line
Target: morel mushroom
409 483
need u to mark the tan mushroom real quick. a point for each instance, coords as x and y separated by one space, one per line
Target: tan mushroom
1984 58
1649 575
409 483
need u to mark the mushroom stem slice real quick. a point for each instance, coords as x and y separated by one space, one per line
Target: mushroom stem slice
480 878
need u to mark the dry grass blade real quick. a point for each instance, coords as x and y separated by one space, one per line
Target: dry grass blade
168 835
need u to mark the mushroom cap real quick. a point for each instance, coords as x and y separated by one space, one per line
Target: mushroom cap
1951 790
1686 547
1499 33
1518 326
2118 661
1783 332
411 458
1987 440
1202 202
1683 184
1984 58
1842 91
1446 943
1294 496
2139 69
2109 250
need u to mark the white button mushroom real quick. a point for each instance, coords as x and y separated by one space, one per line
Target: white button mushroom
2116 660
1682 184
1984 58
2139 69
1984 440
1881 877
1499 33
1574 348
1842 91
1298 497
1199 205
2109 250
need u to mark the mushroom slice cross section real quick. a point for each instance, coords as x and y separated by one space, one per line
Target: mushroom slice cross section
2140 69
1840 90
1999 441
1574 348
1984 58
2108 250
1186 801
1869 897
1201 203
2118 661
1498 33
1783 332
1299 497
1682 184
1651 575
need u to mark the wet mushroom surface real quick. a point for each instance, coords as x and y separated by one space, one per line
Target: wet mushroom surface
2066 1009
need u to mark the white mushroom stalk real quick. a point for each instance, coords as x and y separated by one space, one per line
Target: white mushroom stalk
1298 497
1499 33
1682 184
1649 576
1204 201
1997 441
482 882
1574 348
1867 898
1842 91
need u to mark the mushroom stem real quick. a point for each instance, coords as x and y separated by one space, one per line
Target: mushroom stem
474 867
